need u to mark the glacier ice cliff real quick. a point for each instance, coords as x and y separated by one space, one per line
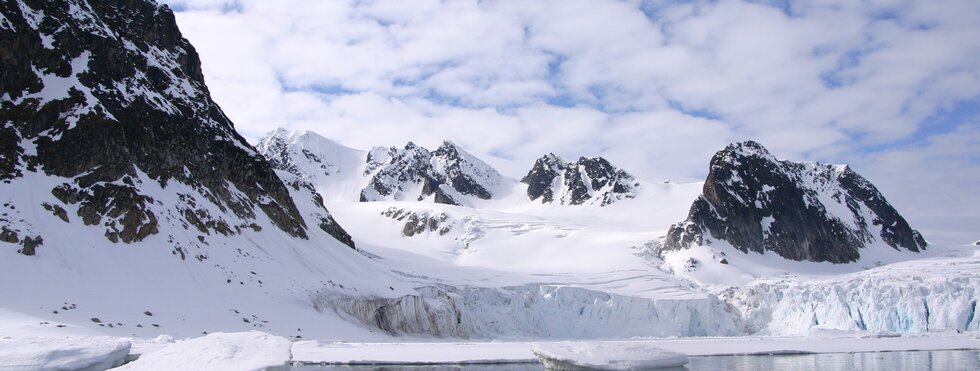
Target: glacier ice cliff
533 310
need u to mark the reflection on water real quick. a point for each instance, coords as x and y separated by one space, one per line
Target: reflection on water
884 361
939 360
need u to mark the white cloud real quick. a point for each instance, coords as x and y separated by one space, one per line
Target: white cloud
656 86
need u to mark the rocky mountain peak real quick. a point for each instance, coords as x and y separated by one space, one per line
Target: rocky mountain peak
801 211
304 154
448 174
747 148
541 180
110 97
588 180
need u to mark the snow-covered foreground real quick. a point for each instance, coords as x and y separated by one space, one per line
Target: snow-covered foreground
243 351
261 351
62 353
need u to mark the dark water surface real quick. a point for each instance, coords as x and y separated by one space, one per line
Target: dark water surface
946 360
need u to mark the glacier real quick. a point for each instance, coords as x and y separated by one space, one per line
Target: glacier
911 297
533 311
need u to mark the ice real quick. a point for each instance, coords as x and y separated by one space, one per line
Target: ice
316 352
242 351
534 310
606 356
501 352
919 296
62 353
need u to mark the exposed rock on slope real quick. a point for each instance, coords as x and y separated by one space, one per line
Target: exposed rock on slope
418 222
801 211
589 180
108 98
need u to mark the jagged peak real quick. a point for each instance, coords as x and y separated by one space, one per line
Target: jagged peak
745 149
583 160
411 146
800 210
301 139
551 156
449 145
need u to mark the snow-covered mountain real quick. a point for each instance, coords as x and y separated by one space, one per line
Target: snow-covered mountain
447 175
588 180
130 206
800 211
100 108
337 172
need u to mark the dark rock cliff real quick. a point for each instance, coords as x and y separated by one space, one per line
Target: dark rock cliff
588 180
801 211
413 173
108 95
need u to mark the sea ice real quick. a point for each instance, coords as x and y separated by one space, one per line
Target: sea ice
606 356
62 353
240 351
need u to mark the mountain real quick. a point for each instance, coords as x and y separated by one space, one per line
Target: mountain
800 211
413 173
92 98
588 180
336 171
130 207
124 189
448 175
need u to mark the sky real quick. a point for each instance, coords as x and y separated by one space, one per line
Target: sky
890 87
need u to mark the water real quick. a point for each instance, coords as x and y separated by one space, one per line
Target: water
947 360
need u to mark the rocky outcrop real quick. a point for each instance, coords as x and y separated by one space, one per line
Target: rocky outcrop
588 180
419 222
801 211
109 97
311 205
448 175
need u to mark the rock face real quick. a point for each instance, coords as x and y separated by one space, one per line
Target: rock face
109 98
801 211
447 174
588 180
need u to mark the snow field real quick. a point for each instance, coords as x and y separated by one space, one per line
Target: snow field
62 353
243 351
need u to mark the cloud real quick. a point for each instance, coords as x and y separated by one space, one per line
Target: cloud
656 86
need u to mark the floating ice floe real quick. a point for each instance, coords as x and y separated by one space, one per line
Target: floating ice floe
241 351
62 353
606 356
